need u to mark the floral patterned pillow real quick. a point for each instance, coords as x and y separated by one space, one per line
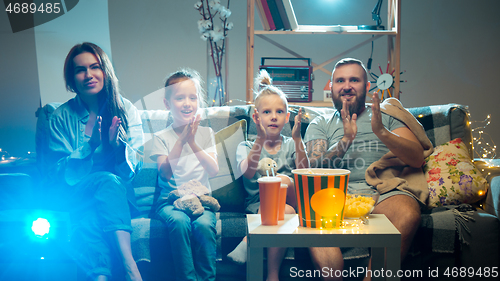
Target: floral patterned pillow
452 177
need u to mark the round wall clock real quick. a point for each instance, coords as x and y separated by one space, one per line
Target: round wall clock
383 82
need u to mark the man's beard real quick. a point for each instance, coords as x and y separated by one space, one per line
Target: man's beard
356 107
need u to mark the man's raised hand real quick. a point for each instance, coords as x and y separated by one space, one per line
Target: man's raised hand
376 121
349 122
296 127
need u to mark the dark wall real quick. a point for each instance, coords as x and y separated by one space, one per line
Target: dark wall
449 51
19 90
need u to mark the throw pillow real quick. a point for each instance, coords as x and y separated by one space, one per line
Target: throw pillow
452 177
227 186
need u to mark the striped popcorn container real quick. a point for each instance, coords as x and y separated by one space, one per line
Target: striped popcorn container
321 196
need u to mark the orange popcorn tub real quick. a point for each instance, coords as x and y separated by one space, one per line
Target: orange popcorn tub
321 195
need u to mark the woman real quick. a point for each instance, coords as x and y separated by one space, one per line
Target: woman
94 150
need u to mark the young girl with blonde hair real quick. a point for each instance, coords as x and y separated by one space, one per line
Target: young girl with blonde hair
270 116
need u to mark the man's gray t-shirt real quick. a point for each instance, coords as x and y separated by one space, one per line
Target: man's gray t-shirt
366 148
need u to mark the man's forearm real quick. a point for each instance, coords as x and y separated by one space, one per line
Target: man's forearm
404 145
321 157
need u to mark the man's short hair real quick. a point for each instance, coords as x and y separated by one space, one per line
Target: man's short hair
346 61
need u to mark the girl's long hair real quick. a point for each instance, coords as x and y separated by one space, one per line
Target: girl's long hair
110 104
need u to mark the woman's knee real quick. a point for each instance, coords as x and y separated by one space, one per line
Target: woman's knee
109 181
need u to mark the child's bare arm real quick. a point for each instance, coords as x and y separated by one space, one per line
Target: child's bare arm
168 163
207 160
301 160
248 166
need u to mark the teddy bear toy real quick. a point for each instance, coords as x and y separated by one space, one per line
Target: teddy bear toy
192 198
266 167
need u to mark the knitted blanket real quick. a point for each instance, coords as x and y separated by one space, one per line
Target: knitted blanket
440 225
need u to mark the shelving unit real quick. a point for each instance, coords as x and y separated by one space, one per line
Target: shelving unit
393 33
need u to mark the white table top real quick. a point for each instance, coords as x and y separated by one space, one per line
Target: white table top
379 231
379 234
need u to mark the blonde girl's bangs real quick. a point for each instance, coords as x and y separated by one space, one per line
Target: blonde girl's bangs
268 90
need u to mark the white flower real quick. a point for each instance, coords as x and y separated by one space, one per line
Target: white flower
217 34
207 24
205 36
214 4
228 26
465 166
437 150
224 13
198 5
200 26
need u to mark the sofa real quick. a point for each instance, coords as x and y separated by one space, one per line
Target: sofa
462 235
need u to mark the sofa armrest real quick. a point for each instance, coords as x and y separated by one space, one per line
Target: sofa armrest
491 171
492 203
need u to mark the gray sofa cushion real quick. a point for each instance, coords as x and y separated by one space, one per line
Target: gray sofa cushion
443 123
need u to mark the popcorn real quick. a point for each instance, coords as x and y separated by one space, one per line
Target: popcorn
358 206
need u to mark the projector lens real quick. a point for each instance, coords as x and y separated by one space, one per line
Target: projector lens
40 227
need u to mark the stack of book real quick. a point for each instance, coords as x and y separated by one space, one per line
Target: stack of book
276 14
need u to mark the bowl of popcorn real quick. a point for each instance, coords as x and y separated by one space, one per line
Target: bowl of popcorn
360 202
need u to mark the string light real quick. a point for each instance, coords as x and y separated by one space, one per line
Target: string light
237 100
4 155
485 148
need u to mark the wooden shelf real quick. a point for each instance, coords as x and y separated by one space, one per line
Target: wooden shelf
313 103
393 34
363 32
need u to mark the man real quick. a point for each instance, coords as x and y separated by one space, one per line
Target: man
353 138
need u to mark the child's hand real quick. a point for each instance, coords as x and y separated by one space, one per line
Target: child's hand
190 129
296 136
261 132
194 128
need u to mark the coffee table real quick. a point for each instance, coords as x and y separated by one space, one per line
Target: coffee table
379 234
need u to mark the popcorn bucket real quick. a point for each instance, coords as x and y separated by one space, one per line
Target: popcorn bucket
321 195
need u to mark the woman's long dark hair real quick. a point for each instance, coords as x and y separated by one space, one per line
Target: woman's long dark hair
110 104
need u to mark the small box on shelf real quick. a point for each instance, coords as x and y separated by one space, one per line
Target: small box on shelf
327 93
